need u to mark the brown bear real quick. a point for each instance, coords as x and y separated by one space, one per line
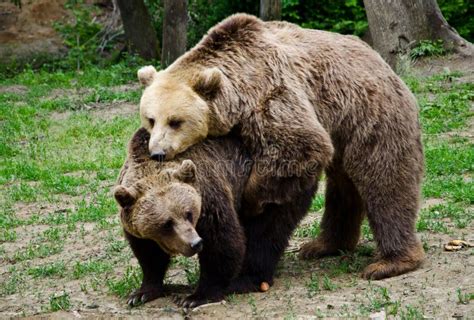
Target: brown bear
301 100
192 206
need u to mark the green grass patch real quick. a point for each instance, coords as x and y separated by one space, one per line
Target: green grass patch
34 251
437 218
59 302
13 283
124 285
83 268
55 269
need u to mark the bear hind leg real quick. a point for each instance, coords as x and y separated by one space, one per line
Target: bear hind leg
389 184
343 215
392 220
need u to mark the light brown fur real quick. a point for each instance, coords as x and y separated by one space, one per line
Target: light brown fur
312 98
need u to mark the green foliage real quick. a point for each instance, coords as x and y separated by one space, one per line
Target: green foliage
59 302
343 16
427 48
81 36
124 286
313 285
311 230
191 269
202 15
57 269
464 298
460 15
17 3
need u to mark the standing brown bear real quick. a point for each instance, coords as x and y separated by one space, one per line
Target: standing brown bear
301 100
193 205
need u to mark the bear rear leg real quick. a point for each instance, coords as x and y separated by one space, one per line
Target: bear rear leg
392 220
343 214
389 185
267 237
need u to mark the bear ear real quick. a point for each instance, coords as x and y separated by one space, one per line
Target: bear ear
146 75
186 172
125 196
208 82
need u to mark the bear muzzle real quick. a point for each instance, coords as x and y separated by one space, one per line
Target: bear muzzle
159 155
194 247
197 245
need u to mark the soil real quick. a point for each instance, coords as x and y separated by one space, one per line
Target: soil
28 32
433 287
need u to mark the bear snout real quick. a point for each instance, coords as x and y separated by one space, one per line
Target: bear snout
159 155
197 245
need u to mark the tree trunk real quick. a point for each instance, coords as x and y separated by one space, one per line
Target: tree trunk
397 25
270 10
139 31
174 30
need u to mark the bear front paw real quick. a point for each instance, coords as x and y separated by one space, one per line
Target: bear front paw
143 295
196 300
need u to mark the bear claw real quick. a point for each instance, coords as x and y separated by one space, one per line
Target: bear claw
194 301
142 296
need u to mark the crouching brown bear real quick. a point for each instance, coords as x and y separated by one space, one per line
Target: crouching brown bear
304 97
192 205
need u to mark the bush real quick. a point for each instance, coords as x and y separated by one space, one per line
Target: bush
202 15
343 16
460 15
427 48
80 36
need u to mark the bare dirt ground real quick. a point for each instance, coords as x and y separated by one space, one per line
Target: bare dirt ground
431 290
330 287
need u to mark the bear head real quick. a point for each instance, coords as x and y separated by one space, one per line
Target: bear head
164 208
174 108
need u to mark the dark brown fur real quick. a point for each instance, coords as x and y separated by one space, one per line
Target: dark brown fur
239 252
311 96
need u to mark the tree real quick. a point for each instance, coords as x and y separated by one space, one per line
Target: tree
396 26
174 30
270 10
139 31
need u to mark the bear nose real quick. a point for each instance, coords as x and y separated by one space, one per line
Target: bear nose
160 155
197 245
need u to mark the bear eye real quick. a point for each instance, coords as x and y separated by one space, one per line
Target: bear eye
175 124
189 216
168 225
152 122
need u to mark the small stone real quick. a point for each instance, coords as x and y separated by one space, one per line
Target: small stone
378 315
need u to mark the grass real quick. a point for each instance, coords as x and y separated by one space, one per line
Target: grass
84 268
464 297
60 155
55 269
59 302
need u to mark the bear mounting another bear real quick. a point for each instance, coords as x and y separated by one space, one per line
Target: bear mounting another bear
310 98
